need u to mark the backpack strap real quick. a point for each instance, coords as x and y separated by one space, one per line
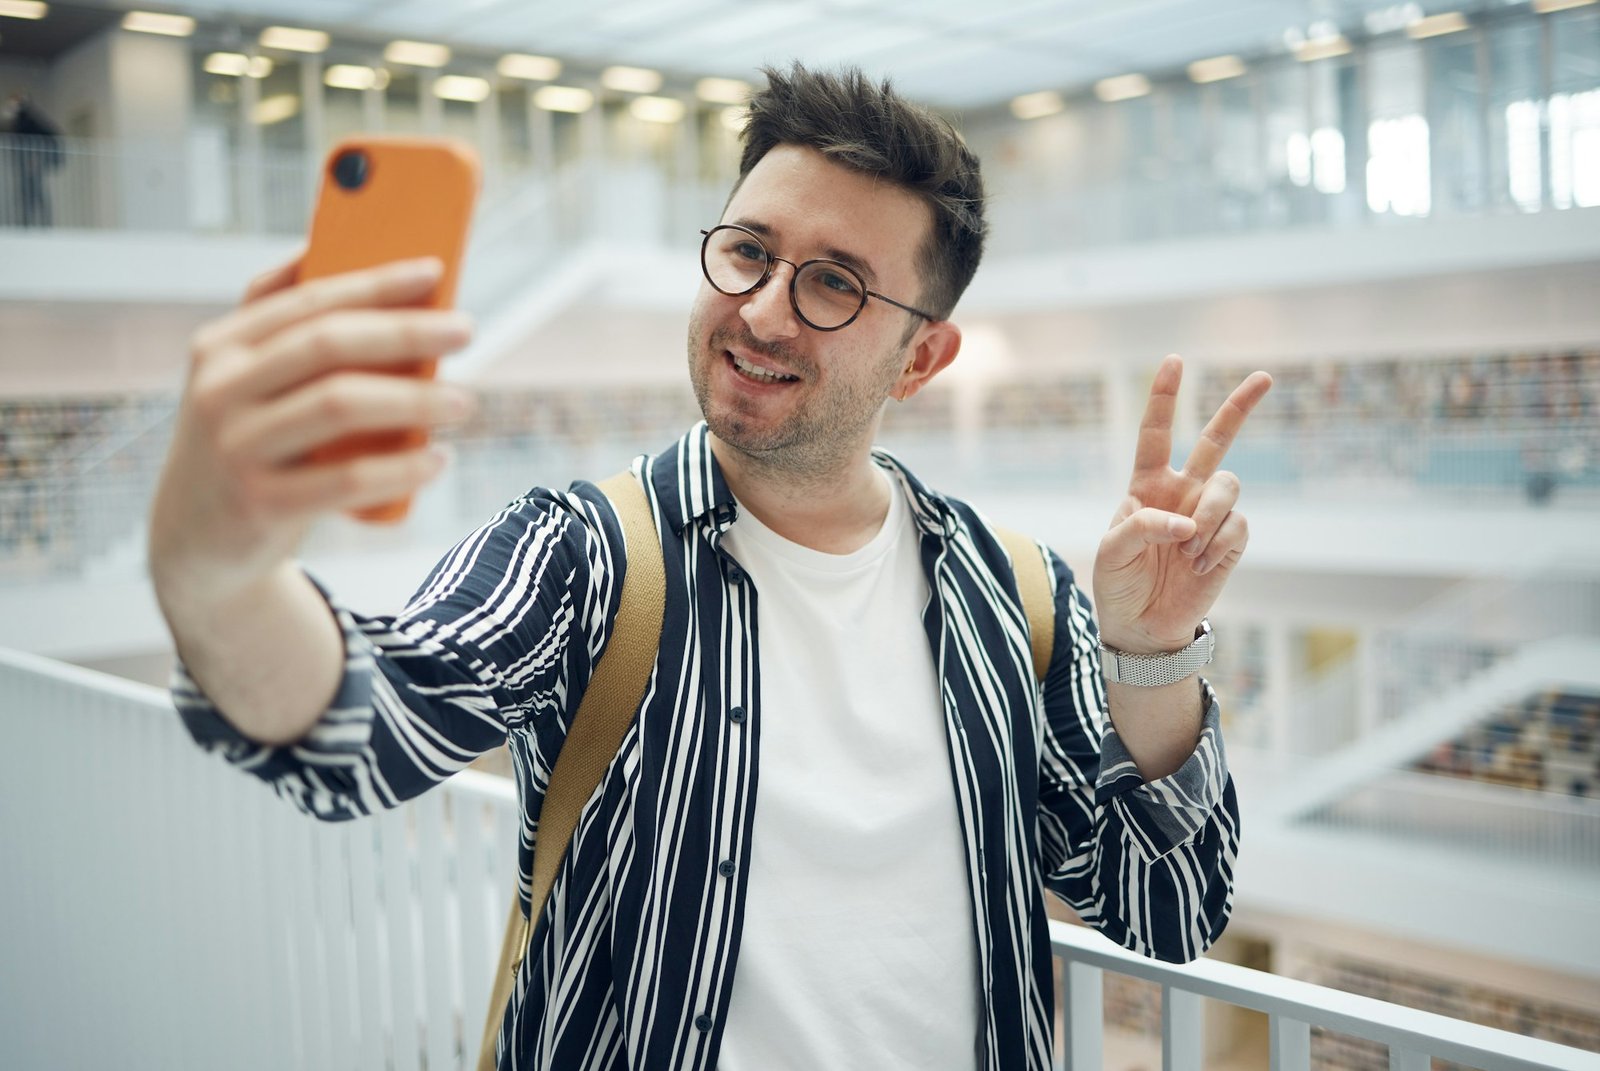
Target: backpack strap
1033 583
615 691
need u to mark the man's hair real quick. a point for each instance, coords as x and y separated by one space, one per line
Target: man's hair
872 129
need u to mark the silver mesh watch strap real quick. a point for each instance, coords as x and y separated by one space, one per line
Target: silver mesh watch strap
1154 671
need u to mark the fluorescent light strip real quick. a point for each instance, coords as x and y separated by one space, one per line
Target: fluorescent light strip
656 109
276 109
462 87
157 22
1437 25
354 76
1037 105
1550 7
733 118
1322 48
722 90
1216 69
528 68
631 79
563 99
417 53
1122 87
24 9
291 39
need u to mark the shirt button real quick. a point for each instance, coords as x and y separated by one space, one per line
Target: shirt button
736 715
702 1023
735 574
726 868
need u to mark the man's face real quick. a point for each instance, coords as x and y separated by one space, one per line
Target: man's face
825 410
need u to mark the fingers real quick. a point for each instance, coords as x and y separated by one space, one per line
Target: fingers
288 427
349 339
401 283
1226 547
273 280
1143 528
1218 496
1155 429
365 481
1219 432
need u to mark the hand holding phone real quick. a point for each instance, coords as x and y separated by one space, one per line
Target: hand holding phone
387 199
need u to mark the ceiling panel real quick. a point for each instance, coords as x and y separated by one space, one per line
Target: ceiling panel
959 53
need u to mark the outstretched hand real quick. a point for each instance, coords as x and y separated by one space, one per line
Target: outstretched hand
1176 537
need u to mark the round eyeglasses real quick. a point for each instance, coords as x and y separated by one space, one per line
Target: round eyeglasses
826 294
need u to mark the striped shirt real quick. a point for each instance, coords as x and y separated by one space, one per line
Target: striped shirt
632 958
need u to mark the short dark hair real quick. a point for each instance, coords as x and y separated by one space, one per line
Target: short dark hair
872 129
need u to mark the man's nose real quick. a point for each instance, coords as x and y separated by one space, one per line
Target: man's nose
768 311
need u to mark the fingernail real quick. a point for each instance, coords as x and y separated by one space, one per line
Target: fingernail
458 325
420 268
458 403
1192 547
1177 525
1199 566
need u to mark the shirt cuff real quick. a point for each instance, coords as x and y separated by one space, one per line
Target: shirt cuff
1170 811
344 727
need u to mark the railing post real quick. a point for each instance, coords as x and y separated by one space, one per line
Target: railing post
1182 1034
1291 1044
1408 1059
1083 1003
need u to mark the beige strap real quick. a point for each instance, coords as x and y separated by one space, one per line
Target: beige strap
615 691
1033 583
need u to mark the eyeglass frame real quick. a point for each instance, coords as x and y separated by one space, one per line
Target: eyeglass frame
794 278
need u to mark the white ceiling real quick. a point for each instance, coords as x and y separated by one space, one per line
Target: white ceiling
954 53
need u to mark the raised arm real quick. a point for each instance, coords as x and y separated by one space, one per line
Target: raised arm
294 367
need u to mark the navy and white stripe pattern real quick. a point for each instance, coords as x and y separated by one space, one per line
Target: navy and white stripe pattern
632 960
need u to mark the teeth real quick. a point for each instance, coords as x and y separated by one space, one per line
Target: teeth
756 372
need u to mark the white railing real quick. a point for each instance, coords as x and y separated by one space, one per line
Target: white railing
1414 1038
163 907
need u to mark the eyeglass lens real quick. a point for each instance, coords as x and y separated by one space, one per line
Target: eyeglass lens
826 294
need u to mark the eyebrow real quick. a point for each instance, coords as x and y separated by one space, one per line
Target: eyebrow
843 256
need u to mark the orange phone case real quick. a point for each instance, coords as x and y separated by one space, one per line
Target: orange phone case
416 201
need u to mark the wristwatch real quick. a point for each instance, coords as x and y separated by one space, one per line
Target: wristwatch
1155 670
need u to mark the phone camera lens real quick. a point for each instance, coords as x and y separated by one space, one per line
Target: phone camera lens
350 169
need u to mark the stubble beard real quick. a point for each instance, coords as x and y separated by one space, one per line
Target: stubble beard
814 441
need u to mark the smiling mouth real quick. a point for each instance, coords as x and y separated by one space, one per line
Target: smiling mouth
759 374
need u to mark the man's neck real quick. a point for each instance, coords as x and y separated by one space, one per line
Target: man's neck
836 511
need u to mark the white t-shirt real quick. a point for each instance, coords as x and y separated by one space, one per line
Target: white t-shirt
858 946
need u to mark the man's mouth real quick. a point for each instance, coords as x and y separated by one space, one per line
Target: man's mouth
759 374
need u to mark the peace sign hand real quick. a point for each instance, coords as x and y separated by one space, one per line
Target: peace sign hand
1175 539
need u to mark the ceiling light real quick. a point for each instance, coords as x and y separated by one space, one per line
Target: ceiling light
276 109
656 109
1436 25
290 39
563 99
156 22
236 64
1216 69
530 68
462 87
23 9
1319 48
722 90
1122 87
733 119
1546 7
354 76
417 53
1037 105
631 79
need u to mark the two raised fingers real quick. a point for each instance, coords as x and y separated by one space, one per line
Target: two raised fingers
1223 427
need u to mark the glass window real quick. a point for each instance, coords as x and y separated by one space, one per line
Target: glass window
402 107
516 140
1515 114
285 187
1455 123
1574 109
1399 172
1286 122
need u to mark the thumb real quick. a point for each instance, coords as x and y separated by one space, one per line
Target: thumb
1143 528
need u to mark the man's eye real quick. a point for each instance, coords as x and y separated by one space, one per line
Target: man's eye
839 282
749 251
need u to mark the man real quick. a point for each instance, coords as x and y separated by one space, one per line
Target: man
35 150
824 840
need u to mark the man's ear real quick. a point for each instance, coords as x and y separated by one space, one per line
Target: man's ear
932 349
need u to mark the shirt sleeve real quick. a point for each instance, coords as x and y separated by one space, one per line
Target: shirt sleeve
1149 864
500 639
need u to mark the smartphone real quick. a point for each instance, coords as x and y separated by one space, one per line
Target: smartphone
385 199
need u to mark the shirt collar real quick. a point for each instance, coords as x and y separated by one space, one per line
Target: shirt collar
690 487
